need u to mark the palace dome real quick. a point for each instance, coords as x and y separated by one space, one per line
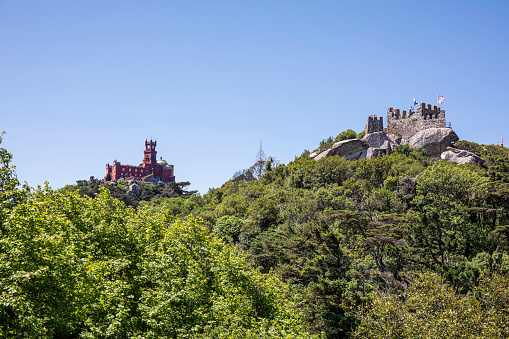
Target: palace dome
162 162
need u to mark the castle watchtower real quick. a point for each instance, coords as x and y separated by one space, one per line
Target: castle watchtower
375 124
405 125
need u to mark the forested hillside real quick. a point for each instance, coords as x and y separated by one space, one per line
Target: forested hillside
401 246
74 266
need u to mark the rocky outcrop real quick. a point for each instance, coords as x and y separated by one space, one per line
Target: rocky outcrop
434 140
344 148
377 139
394 138
349 146
379 144
324 154
356 155
313 155
461 156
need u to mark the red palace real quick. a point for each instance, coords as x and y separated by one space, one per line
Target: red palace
150 169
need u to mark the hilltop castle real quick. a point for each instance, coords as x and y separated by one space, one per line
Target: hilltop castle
150 169
425 128
405 125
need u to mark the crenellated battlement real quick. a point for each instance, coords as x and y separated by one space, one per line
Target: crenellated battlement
427 111
406 124
375 124
395 113
430 112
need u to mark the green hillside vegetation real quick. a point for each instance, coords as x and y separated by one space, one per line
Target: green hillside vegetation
74 266
120 190
401 246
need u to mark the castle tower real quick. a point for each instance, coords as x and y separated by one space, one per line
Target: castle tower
375 124
149 155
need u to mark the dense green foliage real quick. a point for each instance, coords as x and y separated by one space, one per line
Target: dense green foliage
339 231
402 246
120 190
10 193
433 309
76 266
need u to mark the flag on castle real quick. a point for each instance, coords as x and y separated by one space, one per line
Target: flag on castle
441 99
415 102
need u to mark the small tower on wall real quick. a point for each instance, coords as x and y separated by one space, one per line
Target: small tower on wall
375 124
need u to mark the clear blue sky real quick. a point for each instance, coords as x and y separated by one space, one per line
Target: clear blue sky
85 82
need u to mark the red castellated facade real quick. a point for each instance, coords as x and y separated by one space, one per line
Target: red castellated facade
149 169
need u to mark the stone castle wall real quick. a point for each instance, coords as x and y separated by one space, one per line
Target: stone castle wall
407 124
